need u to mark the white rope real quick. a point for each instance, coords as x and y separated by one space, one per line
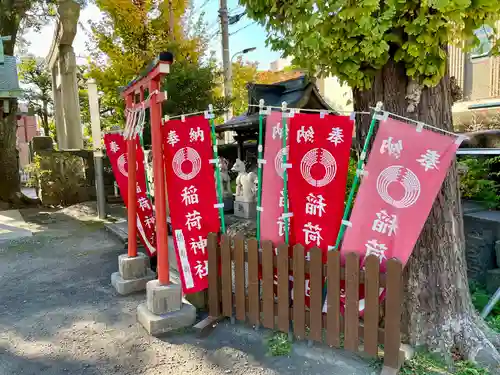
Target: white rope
166 118
420 123
298 110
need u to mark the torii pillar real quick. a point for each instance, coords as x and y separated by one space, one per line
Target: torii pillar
62 63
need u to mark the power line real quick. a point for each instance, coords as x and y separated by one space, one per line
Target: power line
243 28
202 6
214 34
237 8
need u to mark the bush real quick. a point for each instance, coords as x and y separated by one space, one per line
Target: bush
59 178
481 180
480 299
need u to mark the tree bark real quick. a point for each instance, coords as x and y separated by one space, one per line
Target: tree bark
438 312
45 119
11 14
9 168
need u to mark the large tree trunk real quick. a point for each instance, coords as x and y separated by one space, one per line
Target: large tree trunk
438 312
9 169
11 14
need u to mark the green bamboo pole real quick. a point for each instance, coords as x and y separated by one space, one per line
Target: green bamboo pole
217 169
356 180
285 173
260 167
355 183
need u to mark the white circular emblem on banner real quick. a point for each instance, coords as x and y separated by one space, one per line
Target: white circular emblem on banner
122 160
402 176
278 161
186 154
326 160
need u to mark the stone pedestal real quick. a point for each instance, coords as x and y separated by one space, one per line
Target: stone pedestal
246 210
164 309
133 274
228 203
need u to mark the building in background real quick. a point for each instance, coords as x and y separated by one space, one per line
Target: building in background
27 128
478 75
280 64
336 94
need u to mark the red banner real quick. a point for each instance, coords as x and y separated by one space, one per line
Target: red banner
116 150
319 156
272 226
192 196
406 168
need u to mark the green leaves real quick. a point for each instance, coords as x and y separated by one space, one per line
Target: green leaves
358 34
131 34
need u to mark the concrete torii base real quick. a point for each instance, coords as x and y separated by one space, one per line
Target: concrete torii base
133 274
164 309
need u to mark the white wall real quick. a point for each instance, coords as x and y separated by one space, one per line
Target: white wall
339 96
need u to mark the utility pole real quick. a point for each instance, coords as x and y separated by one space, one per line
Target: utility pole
226 62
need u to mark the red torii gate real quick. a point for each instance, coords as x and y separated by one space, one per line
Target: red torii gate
149 80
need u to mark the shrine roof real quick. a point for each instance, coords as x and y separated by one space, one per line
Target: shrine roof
9 84
300 92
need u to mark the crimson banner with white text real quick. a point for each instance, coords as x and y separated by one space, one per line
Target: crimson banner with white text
319 158
116 151
405 170
192 196
272 227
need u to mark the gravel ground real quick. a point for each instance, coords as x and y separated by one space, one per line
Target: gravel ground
59 315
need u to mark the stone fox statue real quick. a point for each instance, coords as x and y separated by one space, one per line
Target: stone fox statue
225 178
246 183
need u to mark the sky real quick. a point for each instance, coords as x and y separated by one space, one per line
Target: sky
246 34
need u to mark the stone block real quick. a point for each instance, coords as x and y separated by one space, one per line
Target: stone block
157 325
492 280
133 267
228 203
45 143
246 210
497 251
162 299
479 253
125 287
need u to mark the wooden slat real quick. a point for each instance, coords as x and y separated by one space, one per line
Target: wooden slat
227 287
299 326
394 292
307 267
316 295
239 276
361 328
333 298
351 340
267 284
213 275
253 282
283 289
371 313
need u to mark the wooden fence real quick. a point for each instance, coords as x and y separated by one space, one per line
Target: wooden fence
242 285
